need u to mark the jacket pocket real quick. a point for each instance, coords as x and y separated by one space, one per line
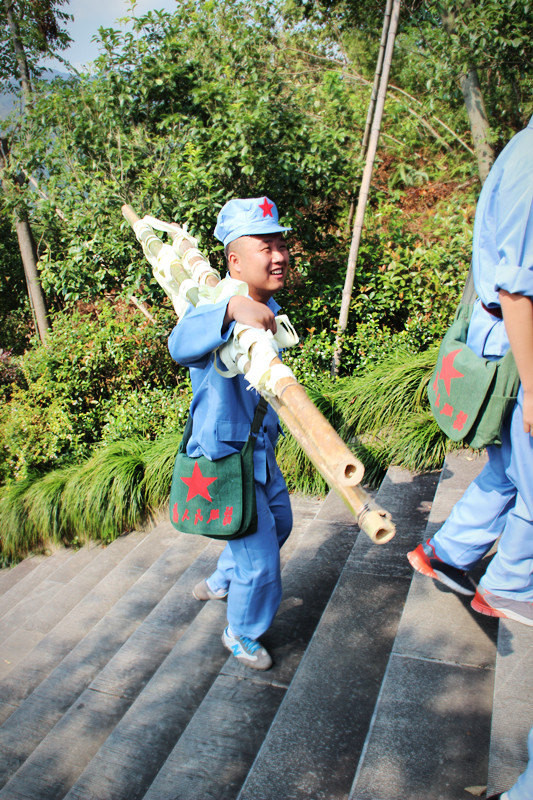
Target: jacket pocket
233 433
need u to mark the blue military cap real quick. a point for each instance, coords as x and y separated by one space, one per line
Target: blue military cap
254 215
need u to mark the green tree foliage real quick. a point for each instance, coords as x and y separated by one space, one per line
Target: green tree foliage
29 31
182 112
41 33
494 37
185 110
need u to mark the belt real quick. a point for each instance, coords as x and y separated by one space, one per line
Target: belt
496 312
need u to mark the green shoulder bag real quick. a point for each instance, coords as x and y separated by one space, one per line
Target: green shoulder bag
470 396
216 498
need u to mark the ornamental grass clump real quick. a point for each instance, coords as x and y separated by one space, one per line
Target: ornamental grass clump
158 470
44 503
105 497
383 414
18 535
100 499
386 412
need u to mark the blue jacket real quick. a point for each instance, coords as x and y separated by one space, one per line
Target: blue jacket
222 408
502 250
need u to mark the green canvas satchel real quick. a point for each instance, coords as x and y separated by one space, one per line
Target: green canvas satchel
470 396
216 498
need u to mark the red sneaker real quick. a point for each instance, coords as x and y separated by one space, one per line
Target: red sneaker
492 605
424 559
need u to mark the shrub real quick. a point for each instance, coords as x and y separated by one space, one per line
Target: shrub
105 373
147 413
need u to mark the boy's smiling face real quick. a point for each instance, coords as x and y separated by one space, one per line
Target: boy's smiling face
262 261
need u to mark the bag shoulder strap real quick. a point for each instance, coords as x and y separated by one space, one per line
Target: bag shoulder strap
257 421
259 415
464 312
186 435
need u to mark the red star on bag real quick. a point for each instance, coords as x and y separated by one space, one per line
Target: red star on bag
198 484
266 208
448 371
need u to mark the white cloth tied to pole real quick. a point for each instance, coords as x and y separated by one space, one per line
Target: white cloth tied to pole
251 351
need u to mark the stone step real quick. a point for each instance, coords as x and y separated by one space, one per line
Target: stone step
512 713
31 578
240 705
143 742
101 650
429 736
315 740
37 664
9 576
102 673
27 622
47 599
13 574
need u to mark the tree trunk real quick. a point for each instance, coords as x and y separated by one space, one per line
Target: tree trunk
29 261
475 108
479 124
377 76
22 225
20 55
373 96
365 187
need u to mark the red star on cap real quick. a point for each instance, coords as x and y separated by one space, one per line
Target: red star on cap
198 484
266 208
448 371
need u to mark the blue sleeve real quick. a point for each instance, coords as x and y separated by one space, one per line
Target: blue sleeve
514 229
198 333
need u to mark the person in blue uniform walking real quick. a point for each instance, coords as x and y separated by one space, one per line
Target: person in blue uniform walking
499 502
222 409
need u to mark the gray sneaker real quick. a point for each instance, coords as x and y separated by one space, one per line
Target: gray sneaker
202 592
247 651
492 605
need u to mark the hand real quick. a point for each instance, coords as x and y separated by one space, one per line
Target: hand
250 312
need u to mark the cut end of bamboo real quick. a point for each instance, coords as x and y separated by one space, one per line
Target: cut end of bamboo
350 473
377 525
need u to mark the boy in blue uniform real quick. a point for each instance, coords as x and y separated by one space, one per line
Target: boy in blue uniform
222 409
499 503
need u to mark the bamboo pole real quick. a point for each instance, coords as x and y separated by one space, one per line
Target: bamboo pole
373 97
321 443
365 186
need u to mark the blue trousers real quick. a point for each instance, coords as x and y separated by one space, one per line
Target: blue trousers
499 502
249 568
523 788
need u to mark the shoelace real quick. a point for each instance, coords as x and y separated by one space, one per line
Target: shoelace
250 644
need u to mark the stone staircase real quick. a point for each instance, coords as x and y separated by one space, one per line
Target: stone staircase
114 684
